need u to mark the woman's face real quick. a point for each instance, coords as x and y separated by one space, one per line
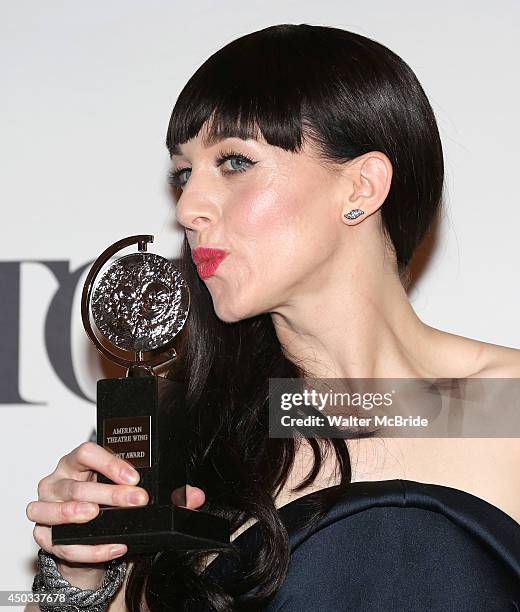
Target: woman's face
278 216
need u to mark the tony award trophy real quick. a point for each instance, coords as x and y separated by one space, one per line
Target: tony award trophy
138 306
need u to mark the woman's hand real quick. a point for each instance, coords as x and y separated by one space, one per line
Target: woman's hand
71 495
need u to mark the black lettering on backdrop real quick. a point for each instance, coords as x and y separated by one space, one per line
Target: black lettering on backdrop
58 332
10 333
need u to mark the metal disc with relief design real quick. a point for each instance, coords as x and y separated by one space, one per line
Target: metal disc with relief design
140 303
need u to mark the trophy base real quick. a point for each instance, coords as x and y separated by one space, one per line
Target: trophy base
148 529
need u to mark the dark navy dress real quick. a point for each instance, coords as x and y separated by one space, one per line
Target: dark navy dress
396 546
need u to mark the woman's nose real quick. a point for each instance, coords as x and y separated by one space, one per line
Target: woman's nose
195 213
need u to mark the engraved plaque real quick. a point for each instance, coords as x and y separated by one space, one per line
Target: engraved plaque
129 438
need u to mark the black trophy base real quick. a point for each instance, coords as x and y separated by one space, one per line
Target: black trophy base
148 529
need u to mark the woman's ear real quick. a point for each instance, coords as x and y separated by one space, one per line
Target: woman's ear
369 177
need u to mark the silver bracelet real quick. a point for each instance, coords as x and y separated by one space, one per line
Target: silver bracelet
68 598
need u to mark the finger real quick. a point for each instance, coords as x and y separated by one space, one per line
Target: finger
188 497
58 513
89 456
195 497
99 493
77 553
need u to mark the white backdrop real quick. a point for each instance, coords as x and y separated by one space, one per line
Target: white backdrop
87 91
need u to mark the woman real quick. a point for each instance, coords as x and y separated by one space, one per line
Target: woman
310 157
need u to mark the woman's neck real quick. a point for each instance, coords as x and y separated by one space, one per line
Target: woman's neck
355 324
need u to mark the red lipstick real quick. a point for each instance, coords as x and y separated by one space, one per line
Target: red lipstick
207 260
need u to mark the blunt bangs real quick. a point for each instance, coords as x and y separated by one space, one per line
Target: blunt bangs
251 88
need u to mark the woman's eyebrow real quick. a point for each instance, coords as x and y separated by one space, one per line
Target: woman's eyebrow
207 142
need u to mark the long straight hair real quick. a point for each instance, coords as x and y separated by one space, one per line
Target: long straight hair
349 95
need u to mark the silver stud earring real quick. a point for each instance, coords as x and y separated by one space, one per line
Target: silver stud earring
354 213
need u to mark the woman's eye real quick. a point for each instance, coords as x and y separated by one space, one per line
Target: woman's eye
241 163
237 163
174 177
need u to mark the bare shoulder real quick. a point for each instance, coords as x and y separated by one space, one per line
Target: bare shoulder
499 362
464 357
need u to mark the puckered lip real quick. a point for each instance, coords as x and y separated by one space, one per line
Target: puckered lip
203 254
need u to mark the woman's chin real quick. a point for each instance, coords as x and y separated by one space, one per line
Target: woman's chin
228 313
227 316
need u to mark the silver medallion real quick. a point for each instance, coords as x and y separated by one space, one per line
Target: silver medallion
140 303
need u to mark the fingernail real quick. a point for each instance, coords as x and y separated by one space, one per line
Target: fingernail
117 551
135 498
129 475
85 508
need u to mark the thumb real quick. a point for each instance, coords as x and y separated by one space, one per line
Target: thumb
188 497
195 497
